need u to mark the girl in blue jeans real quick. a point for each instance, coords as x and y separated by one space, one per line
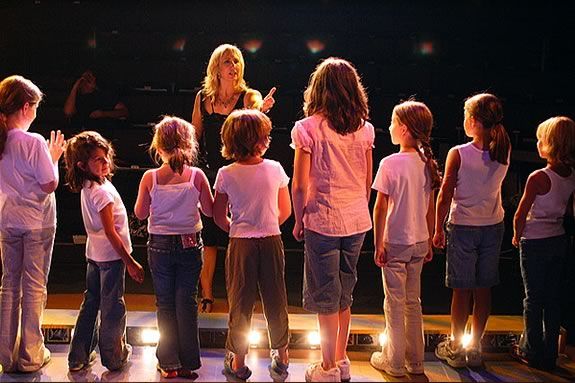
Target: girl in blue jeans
540 236
169 195
89 166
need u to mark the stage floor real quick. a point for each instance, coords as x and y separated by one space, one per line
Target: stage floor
498 368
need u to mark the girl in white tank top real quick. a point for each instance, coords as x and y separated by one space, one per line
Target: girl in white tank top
170 197
538 232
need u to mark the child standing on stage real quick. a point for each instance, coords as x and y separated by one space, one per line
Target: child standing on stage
540 236
89 167
474 173
170 195
255 256
405 182
331 187
28 178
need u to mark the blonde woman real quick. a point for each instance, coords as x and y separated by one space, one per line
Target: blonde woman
224 90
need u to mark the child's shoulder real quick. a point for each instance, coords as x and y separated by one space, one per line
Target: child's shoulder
30 137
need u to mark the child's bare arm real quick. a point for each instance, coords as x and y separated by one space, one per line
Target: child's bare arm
369 176
538 183
134 268
446 195
142 206
206 198
300 182
284 205
221 211
379 217
430 218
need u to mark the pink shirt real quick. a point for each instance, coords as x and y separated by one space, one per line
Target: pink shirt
336 204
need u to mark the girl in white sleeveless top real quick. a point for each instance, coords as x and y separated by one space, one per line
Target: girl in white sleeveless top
474 173
540 235
170 197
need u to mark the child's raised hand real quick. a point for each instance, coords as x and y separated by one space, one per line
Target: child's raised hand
56 145
136 271
298 231
439 239
380 257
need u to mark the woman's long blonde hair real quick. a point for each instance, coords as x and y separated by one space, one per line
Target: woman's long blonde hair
15 91
335 90
212 81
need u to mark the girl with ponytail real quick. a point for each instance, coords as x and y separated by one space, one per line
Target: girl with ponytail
471 194
169 196
405 183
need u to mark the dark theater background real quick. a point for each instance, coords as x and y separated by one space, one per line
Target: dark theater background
155 54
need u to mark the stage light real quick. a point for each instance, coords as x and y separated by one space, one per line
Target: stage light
425 48
179 45
254 338
382 338
313 338
253 45
149 336
466 340
315 46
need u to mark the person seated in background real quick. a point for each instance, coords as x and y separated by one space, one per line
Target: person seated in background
90 107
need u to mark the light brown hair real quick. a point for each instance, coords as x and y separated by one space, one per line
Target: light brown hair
557 136
176 138
418 119
15 91
245 133
488 110
335 90
79 149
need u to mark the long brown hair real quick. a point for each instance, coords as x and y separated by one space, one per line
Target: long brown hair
177 139
79 149
335 90
488 110
418 119
15 91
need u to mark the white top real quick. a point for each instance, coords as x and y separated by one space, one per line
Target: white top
94 198
545 219
252 192
477 197
25 165
174 208
404 178
337 203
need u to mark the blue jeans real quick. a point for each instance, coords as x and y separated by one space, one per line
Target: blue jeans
541 264
105 293
330 271
26 256
175 272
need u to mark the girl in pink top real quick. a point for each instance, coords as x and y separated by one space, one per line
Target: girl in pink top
331 186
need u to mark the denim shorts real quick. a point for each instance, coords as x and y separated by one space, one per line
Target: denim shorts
473 255
330 271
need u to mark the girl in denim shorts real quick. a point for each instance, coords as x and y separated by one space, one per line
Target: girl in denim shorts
331 188
471 193
28 179
169 197
89 167
404 182
540 235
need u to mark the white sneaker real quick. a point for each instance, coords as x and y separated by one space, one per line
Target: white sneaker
316 373
344 367
379 362
415 368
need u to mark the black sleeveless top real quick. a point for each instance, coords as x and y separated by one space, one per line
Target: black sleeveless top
211 141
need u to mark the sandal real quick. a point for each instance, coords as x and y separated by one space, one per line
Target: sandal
206 305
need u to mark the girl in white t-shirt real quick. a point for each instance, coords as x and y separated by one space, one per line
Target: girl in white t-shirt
255 191
471 193
28 178
540 236
170 197
403 223
89 166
